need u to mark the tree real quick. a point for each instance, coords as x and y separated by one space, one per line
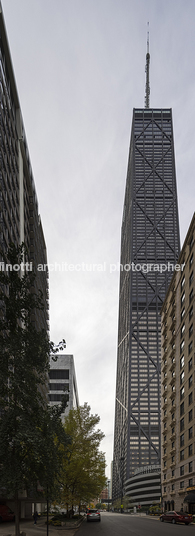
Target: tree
83 475
24 363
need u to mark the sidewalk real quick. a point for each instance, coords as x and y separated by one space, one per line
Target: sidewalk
28 527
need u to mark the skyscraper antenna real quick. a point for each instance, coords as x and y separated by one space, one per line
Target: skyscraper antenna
147 93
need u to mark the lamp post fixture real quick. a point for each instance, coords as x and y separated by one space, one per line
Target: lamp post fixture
121 472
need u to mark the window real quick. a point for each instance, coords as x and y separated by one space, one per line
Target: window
182 378
59 374
190 450
190 432
173 416
190 399
190 330
165 438
58 386
191 260
182 330
165 489
173 459
165 463
173 472
190 482
191 312
173 487
182 484
190 467
173 444
173 402
165 425
182 393
182 424
182 440
182 454
182 299
191 296
165 476
182 470
172 430
189 348
182 313
182 362
190 381
165 450
182 282
190 364
191 278
190 415
182 346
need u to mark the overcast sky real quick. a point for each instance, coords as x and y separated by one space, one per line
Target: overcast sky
80 70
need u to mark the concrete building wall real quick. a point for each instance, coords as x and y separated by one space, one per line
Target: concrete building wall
62 380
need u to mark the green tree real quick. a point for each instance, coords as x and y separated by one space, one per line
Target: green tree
24 363
83 475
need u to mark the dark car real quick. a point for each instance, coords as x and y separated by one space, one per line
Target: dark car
176 517
6 513
93 515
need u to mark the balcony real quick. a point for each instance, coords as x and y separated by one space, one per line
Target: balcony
172 368
181 490
164 379
172 464
164 366
173 323
173 407
165 341
172 379
165 418
172 493
173 450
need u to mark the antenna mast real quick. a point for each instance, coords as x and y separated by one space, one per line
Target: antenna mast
147 93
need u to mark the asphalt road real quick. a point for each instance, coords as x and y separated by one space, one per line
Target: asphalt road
129 525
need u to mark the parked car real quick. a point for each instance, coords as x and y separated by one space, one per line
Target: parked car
6 513
176 517
93 515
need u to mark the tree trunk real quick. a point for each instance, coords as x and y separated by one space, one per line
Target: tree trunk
17 515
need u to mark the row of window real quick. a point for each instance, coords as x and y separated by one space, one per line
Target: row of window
190 484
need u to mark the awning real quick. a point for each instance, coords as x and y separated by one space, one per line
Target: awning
190 498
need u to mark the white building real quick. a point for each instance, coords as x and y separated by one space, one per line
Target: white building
62 380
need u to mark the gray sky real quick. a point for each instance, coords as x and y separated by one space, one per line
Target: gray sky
80 70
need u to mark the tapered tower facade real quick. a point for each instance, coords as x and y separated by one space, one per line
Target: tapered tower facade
150 246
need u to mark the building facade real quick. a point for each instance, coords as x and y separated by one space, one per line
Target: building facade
20 221
63 381
19 215
178 387
150 244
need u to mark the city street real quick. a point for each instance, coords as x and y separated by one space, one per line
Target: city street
131 525
111 524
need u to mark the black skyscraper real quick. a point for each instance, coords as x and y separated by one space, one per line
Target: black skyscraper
149 236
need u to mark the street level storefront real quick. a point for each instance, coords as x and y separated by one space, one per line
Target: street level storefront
190 500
